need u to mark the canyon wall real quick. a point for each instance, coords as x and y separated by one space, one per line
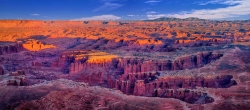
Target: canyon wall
141 77
10 48
1 70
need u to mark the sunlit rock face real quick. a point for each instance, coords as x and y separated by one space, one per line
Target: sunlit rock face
35 45
134 65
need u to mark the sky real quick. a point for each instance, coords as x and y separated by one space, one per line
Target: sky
124 9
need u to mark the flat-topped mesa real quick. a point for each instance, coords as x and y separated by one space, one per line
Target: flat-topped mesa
81 60
35 45
90 66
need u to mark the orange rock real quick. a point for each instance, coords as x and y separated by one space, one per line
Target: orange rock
35 45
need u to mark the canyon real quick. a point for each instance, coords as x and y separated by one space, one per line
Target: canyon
105 65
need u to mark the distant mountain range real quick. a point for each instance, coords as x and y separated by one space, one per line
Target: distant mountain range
177 19
188 19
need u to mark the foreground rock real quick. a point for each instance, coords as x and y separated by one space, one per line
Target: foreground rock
64 95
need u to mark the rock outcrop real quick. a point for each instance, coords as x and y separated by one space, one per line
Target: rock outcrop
141 77
18 79
189 96
94 98
10 48
188 62
35 45
189 83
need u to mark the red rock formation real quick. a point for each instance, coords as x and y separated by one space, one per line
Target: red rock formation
139 89
10 48
92 78
18 79
35 45
17 82
149 87
137 76
140 66
190 96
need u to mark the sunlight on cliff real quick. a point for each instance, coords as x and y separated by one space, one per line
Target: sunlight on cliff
35 45
148 42
91 56
99 57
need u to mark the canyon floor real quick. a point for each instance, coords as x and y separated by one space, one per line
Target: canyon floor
189 64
